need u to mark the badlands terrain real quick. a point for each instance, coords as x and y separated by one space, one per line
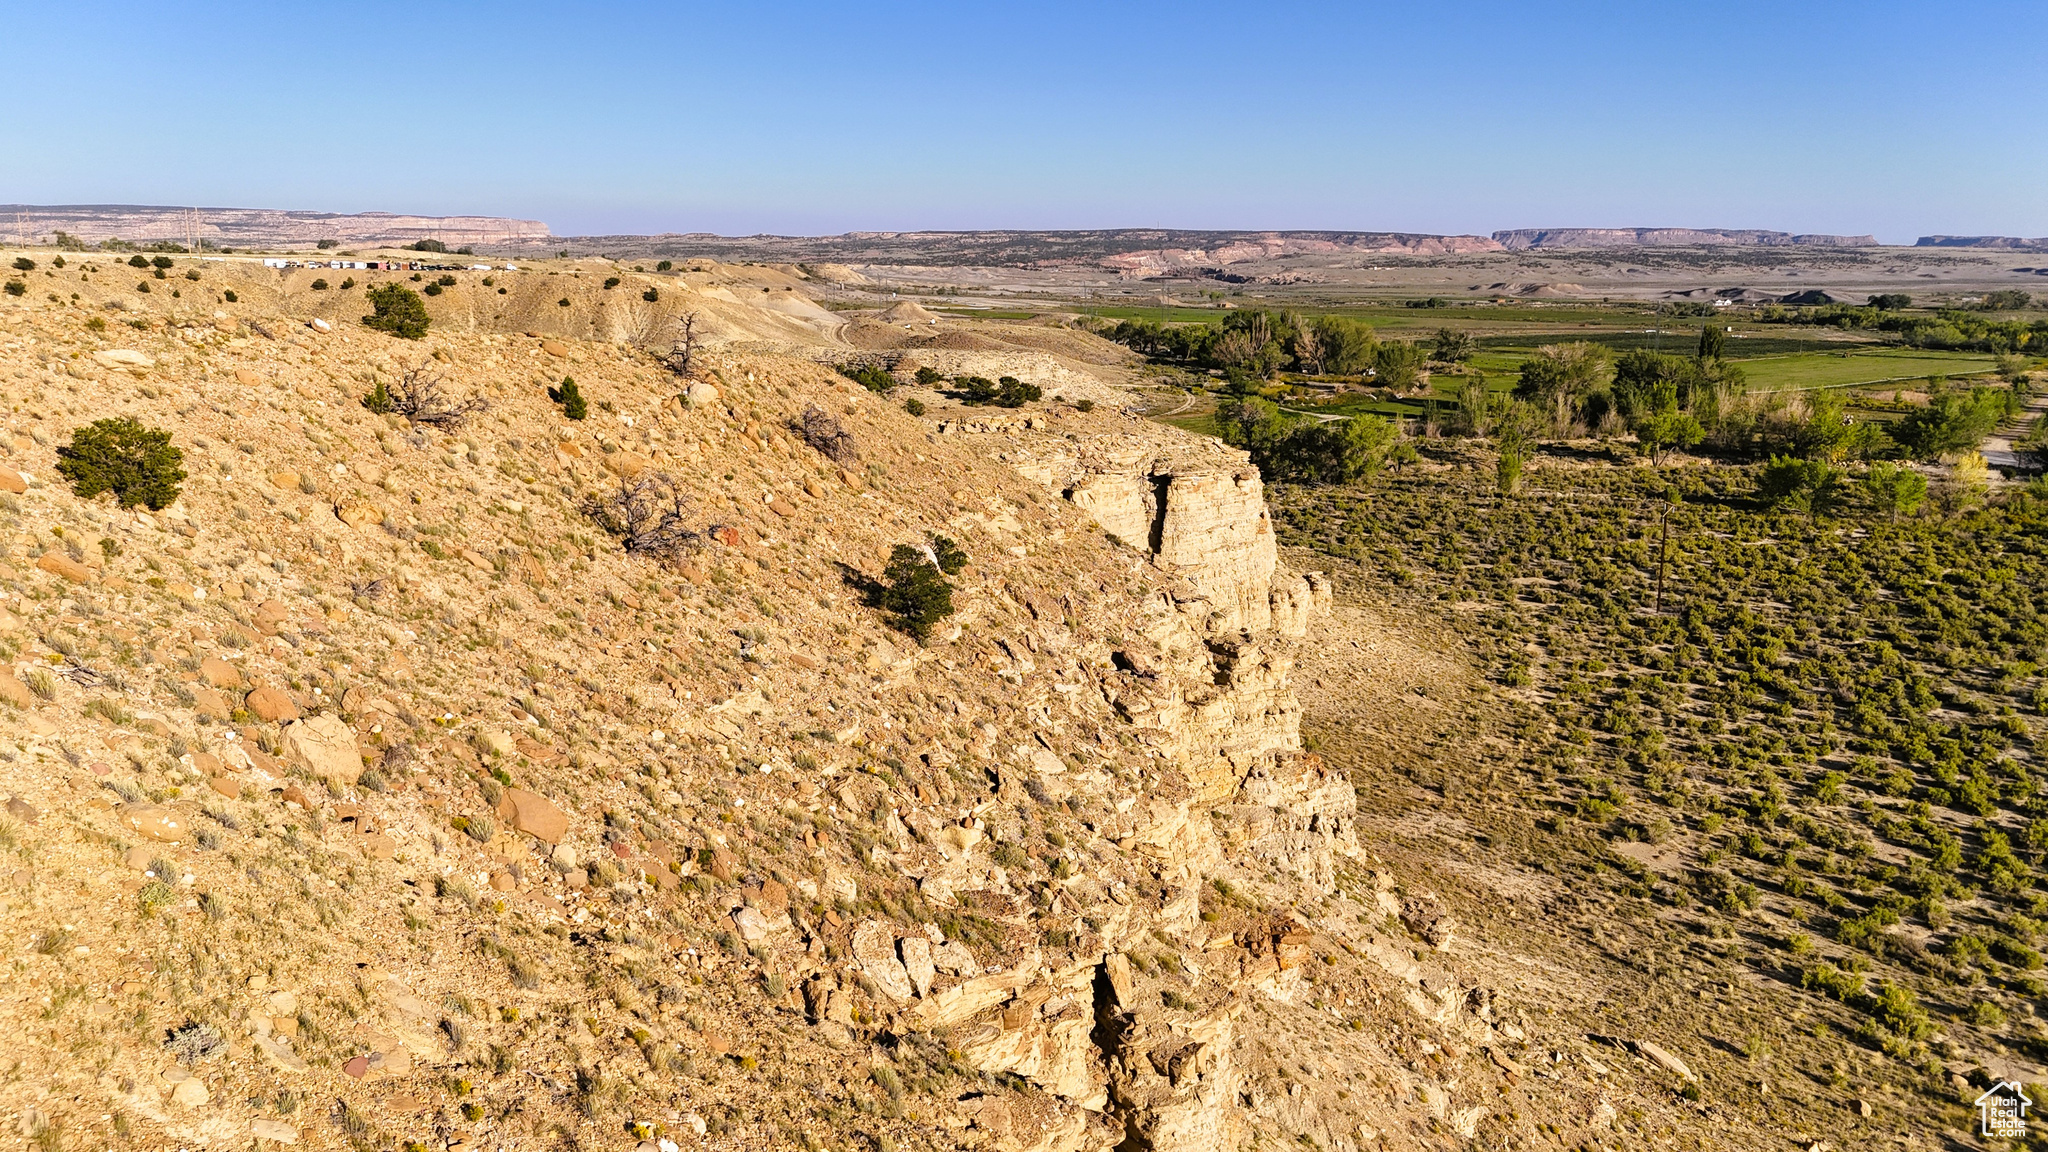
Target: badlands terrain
371 796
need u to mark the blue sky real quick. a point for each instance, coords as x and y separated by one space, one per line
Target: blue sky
1896 119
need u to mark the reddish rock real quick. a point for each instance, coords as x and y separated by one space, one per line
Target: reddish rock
211 703
220 673
11 481
225 785
554 348
58 564
272 705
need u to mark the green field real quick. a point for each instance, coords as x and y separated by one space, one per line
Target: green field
1876 366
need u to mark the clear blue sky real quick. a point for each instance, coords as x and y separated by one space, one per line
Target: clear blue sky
803 117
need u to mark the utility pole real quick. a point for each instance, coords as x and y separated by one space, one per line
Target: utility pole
1664 546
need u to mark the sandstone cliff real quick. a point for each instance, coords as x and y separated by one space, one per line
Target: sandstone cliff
1521 239
256 227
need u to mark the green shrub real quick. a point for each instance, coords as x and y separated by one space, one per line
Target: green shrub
428 246
24 264
570 397
951 558
664 266
1828 979
1085 405
914 591
651 295
398 310
378 399
1007 392
160 262
347 282
138 465
16 288
872 377
230 296
319 285
611 282
138 261
929 377
446 281
432 289
914 406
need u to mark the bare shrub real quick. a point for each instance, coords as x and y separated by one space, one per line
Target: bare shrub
190 1042
821 430
683 352
419 396
650 516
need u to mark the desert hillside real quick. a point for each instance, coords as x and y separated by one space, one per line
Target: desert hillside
371 794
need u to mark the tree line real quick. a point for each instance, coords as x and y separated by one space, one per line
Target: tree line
1258 344
1954 329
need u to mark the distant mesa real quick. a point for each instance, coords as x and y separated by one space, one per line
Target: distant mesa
2012 243
1522 239
254 227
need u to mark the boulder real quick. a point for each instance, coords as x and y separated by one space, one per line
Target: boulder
12 481
246 378
533 814
210 702
276 1131
191 1093
554 348
154 821
324 746
285 479
271 705
15 692
1662 1058
58 564
127 359
956 958
701 393
360 514
220 673
874 945
756 924
917 963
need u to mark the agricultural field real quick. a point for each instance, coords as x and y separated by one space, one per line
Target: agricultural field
1860 367
1790 757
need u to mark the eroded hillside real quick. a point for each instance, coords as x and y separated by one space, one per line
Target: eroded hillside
371 796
